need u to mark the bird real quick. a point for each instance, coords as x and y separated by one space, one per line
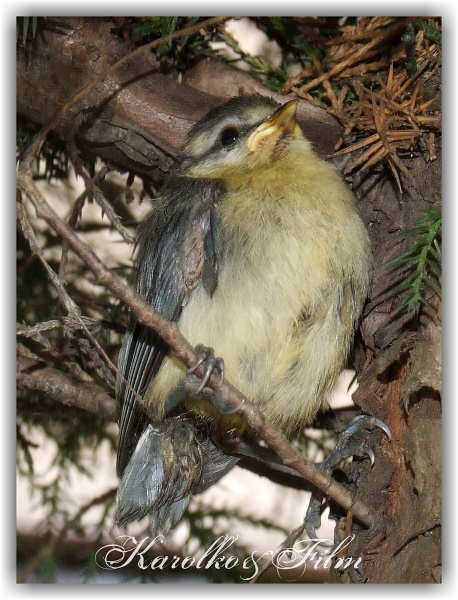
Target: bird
256 249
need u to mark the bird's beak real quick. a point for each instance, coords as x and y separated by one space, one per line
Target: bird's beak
281 123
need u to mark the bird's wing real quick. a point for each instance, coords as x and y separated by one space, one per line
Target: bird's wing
178 247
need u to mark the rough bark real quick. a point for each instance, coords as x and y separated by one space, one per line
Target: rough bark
404 487
399 365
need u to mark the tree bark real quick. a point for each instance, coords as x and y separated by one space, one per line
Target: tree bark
138 118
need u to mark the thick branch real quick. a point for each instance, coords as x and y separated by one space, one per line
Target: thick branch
183 350
135 118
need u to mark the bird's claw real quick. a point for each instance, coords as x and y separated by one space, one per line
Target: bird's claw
347 446
371 455
197 386
344 448
368 422
207 355
312 519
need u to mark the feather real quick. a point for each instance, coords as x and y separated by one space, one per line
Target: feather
171 259
172 460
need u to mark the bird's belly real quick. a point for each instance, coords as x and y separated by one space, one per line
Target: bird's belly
251 322
241 330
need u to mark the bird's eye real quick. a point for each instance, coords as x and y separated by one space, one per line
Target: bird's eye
229 136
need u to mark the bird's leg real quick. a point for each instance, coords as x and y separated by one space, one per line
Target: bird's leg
351 442
197 386
193 385
207 357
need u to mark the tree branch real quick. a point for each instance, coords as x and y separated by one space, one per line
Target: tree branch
135 118
64 297
67 390
183 350
124 60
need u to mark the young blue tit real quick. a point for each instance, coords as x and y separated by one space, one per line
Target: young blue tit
256 250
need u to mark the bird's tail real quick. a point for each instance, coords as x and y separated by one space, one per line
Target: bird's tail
173 460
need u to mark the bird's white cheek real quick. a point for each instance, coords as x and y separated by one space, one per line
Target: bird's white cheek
224 165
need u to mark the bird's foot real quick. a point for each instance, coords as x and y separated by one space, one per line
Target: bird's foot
197 386
206 357
351 442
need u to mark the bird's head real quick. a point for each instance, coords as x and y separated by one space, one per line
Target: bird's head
247 134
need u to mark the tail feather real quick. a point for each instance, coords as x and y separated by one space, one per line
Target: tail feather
173 460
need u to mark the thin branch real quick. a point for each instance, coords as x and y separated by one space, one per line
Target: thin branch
68 390
75 214
70 306
92 186
183 350
67 322
42 352
349 61
288 542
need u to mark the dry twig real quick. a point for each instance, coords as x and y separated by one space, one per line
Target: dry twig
68 390
93 188
70 306
390 116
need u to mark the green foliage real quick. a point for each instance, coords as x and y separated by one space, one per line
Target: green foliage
421 266
286 32
90 569
47 572
295 47
432 33
152 28
408 37
174 55
269 76
350 96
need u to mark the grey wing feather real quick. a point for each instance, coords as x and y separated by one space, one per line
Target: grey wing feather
174 251
171 461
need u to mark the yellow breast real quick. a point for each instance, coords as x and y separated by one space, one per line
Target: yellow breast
291 283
